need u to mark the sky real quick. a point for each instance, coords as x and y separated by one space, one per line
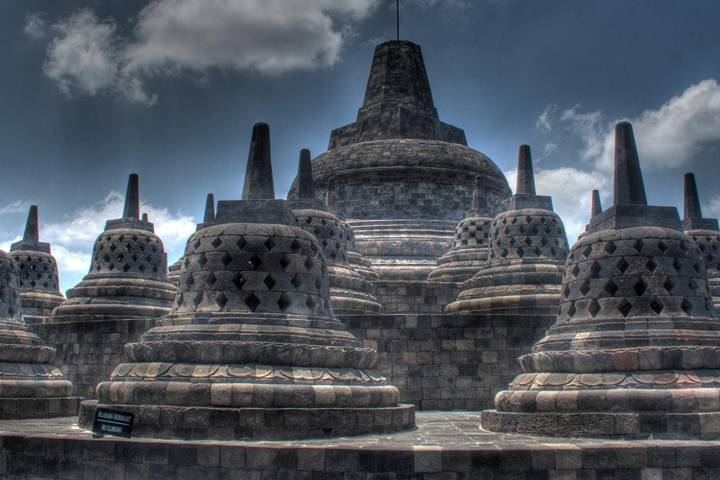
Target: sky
94 90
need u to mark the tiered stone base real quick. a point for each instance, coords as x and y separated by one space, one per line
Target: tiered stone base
162 421
606 424
37 307
19 408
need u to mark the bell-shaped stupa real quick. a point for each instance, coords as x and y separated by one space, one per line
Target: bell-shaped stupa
401 177
39 284
469 250
30 387
251 348
528 248
128 271
635 349
704 232
349 291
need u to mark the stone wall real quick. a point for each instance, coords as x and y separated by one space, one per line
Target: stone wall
449 361
87 352
414 297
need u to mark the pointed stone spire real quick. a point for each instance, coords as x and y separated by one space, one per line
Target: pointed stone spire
479 202
525 175
132 198
305 175
596 205
32 231
692 199
629 186
145 218
258 177
209 216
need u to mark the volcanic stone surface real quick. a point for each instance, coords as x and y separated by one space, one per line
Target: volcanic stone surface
400 176
528 248
251 348
635 350
29 386
127 277
39 285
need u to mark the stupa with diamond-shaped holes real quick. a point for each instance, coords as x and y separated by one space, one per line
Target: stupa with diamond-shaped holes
635 349
128 271
251 348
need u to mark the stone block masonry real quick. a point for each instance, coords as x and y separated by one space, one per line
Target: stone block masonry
87 352
406 297
442 362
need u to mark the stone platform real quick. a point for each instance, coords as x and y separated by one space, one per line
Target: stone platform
445 445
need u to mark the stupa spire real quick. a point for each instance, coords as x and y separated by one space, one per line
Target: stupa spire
132 198
525 175
596 207
32 230
629 186
305 175
692 199
258 177
209 216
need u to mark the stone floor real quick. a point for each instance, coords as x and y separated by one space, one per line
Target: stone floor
446 443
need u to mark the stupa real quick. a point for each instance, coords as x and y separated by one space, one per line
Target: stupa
30 387
635 350
127 277
251 348
704 232
401 177
470 245
39 285
528 248
349 291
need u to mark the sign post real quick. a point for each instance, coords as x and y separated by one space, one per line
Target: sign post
113 422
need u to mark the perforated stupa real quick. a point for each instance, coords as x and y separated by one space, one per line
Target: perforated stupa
39 284
635 349
128 269
251 348
528 248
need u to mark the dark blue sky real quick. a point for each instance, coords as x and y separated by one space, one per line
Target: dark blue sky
495 66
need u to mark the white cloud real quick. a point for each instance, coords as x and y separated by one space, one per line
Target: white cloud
549 149
87 56
544 121
669 136
73 238
712 208
571 191
18 206
35 26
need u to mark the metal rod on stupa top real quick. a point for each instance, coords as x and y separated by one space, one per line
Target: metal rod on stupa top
209 216
629 186
525 177
397 18
693 210
32 229
305 175
258 176
132 198
596 207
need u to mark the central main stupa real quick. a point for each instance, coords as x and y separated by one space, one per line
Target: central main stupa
400 176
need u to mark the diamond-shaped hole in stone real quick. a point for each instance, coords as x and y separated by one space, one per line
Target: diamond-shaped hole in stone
656 306
611 287
239 280
640 287
575 270
610 247
216 242
696 267
528 241
593 308
295 246
587 251
651 265
284 302
595 270
197 299
310 303
269 244
241 242
624 307
269 282
623 265
639 244
572 310
566 291
202 260
190 280
686 306
296 281
585 287
520 252
668 285
197 244
221 300
252 302
226 259
210 280
662 246
692 284
309 263
255 262
284 262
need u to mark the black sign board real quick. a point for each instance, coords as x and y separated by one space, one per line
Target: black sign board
113 422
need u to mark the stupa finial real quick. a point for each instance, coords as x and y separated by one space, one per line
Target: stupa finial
692 199
32 229
209 216
145 218
258 177
132 198
305 175
525 176
629 186
596 205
